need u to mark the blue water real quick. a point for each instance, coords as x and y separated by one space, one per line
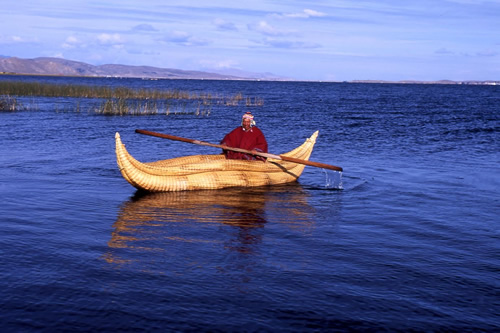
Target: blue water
407 238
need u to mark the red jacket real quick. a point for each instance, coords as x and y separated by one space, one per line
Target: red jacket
252 139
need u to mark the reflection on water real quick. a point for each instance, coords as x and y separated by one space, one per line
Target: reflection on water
234 219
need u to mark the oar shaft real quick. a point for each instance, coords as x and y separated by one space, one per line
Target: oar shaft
267 155
203 143
166 136
311 163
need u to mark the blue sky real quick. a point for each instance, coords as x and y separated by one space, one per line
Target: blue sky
308 40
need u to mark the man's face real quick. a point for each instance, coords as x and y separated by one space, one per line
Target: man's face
246 124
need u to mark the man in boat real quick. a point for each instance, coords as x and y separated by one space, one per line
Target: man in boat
247 136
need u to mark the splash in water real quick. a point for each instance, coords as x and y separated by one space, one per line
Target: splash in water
333 179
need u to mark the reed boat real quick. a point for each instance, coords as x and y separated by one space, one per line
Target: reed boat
208 172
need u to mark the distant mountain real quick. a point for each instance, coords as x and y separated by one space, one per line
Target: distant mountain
63 67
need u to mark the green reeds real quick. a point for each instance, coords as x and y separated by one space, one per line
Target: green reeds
122 106
18 88
124 100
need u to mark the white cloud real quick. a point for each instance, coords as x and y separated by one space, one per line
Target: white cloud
15 39
184 38
289 44
224 25
178 37
71 42
314 13
306 13
110 39
268 30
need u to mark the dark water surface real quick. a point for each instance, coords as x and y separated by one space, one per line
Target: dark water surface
411 242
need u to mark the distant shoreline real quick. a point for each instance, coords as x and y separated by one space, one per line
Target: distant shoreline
471 82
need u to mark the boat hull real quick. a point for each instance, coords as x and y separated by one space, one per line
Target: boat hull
203 172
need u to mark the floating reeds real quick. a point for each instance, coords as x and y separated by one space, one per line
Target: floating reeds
128 101
8 103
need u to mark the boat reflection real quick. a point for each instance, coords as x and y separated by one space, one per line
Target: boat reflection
234 218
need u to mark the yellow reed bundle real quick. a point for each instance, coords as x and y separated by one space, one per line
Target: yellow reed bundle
209 171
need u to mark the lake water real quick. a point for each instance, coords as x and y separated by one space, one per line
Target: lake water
407 238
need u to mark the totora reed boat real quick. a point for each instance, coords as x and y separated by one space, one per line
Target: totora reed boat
202 172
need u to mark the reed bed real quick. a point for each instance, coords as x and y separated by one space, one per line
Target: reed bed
128 101
17 88
121 106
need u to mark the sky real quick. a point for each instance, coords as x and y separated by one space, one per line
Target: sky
324 40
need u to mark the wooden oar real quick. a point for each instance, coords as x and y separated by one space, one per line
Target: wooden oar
267 155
